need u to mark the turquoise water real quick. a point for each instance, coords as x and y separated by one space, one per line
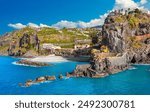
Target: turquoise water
131 82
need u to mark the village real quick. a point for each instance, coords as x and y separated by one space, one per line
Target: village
80 51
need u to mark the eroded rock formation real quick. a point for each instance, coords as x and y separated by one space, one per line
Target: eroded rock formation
25 43
125 40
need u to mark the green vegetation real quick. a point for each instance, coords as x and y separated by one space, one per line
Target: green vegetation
133 18
3 49
104 49
134 43
133 21
120 19
48 31
63 36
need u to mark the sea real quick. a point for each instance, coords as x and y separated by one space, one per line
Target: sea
135 81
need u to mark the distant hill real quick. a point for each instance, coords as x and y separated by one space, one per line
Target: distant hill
19 42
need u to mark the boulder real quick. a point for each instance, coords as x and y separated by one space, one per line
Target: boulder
68 75
50 78
40 79
29 83
31 63
60 76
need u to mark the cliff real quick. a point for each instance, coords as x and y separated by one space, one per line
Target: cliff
124 40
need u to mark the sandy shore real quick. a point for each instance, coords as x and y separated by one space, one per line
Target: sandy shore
49 58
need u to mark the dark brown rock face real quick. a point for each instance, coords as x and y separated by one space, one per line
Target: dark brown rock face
118 28
25 43
144 28
138 56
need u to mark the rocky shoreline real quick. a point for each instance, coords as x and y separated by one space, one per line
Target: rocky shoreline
120 44
87 71
38 80
124 39
41 79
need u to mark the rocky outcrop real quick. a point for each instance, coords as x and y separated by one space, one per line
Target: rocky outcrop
118 28
38 80
114 37
101 67
31 63
144 28
139 56
127 36
81 71
25 43
60 76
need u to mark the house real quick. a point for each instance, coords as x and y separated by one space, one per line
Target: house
50 46
77 47
82 44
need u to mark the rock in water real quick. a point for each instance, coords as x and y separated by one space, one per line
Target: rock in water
40 79
28 83
31 63
50 78
60 76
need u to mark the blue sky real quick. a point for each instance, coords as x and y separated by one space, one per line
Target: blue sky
16 14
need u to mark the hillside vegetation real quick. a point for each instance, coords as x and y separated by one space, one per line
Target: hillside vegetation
64 37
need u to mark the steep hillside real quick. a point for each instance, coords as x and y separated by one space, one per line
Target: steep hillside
19 42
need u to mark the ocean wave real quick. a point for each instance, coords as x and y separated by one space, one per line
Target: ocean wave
15 63
65 78
132 68
45 82
142 64
37 84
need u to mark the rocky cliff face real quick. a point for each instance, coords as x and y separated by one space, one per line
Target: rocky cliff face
23 45
118 29
125 39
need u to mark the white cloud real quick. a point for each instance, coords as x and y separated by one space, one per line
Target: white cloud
80 24
143 2
64 23
17 25
33 25
43 25
119 4
124 4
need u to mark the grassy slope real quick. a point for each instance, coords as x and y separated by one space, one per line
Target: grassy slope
64 37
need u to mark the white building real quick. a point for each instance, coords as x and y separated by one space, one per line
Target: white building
50 46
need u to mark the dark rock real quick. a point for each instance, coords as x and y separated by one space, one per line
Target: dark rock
28 83
24 44
31 63
50 78
147 41
40 79
81 71
60 76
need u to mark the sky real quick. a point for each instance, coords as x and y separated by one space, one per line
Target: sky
17 14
